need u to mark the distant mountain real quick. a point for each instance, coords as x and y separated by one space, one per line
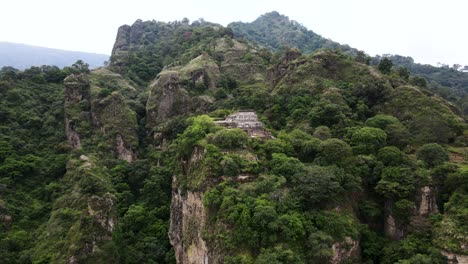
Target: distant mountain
275 31
23 56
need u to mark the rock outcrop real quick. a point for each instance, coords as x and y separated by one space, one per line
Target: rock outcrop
455 258
124 152
347 250
187 222
392 229
116 121
426 204
127 37
5 218
427 201
88 114
121 45
77 96
179 91
167 98
188 219
276 73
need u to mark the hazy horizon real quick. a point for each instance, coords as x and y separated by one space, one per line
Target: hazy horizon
428 31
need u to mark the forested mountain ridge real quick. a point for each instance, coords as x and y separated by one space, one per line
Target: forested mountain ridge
21 56
449 82
129 163
275 31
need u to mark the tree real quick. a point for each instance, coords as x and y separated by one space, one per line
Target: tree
432 154
385 65
201 126
390 156
283 165
318 185
362 57
78 67
404 73
381 121
333 151
456 67
418 81
326 113
304 144
368 140
278 255
396 182
277 146
8 73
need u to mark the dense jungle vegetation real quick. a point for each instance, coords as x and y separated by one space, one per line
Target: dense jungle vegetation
90 160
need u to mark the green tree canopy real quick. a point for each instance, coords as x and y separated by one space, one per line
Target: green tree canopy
432 154
333 151
385 65
230 138
368 140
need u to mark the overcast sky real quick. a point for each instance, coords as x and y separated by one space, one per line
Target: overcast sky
430 31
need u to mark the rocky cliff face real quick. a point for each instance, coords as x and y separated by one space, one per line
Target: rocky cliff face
392 229
121 45
127 38
167 98
77 96
187 222
178 91
188 218
426 204
88 114
117 122
427 201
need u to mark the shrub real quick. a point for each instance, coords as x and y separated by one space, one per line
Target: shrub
322 133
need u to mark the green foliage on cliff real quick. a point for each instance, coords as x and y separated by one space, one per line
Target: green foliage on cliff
305 176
